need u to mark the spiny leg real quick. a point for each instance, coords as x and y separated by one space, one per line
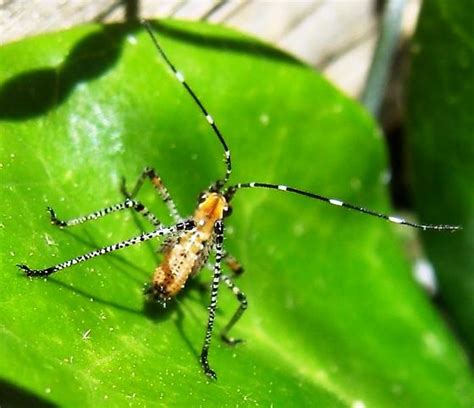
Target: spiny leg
219 230
185 225
238 313
128 203
155 179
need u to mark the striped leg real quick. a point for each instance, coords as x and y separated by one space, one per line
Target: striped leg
155 179
185 225
219 230
235 318
128 203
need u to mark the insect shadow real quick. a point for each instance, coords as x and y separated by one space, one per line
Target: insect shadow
34 93
13 395
151 309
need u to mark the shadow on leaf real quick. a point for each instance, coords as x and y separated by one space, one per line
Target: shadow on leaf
14 396
34 93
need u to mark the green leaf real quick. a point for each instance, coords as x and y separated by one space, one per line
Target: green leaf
334 317
440 126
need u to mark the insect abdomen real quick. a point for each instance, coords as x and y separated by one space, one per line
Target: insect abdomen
181 261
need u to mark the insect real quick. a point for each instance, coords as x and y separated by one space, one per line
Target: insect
191 240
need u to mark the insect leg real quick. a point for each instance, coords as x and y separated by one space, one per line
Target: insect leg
150 173
185 225
238 313
128 203
219 230
233 264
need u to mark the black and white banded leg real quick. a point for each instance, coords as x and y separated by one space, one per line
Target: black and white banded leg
185 225
128 203
219 231
238 313
152 175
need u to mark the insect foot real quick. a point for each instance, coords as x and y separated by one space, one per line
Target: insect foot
230 340
205 366
54 218
35 272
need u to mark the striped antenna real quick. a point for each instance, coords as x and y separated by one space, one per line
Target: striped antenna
180 77
230 191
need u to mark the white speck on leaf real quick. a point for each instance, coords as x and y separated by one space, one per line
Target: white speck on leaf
433 344
358 404
131 39
425 275
49 241
264 119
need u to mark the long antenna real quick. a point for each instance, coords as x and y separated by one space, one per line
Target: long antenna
230 191
180 77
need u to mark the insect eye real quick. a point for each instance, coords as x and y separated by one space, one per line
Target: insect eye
227 211
202 197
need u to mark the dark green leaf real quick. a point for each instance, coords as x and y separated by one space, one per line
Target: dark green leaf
441 127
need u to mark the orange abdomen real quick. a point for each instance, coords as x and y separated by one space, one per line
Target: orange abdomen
181 261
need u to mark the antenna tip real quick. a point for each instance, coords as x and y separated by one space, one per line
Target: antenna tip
452 228
145 23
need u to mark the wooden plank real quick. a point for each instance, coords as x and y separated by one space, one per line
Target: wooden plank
195 9
330 30
349 70
23 18
271 20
